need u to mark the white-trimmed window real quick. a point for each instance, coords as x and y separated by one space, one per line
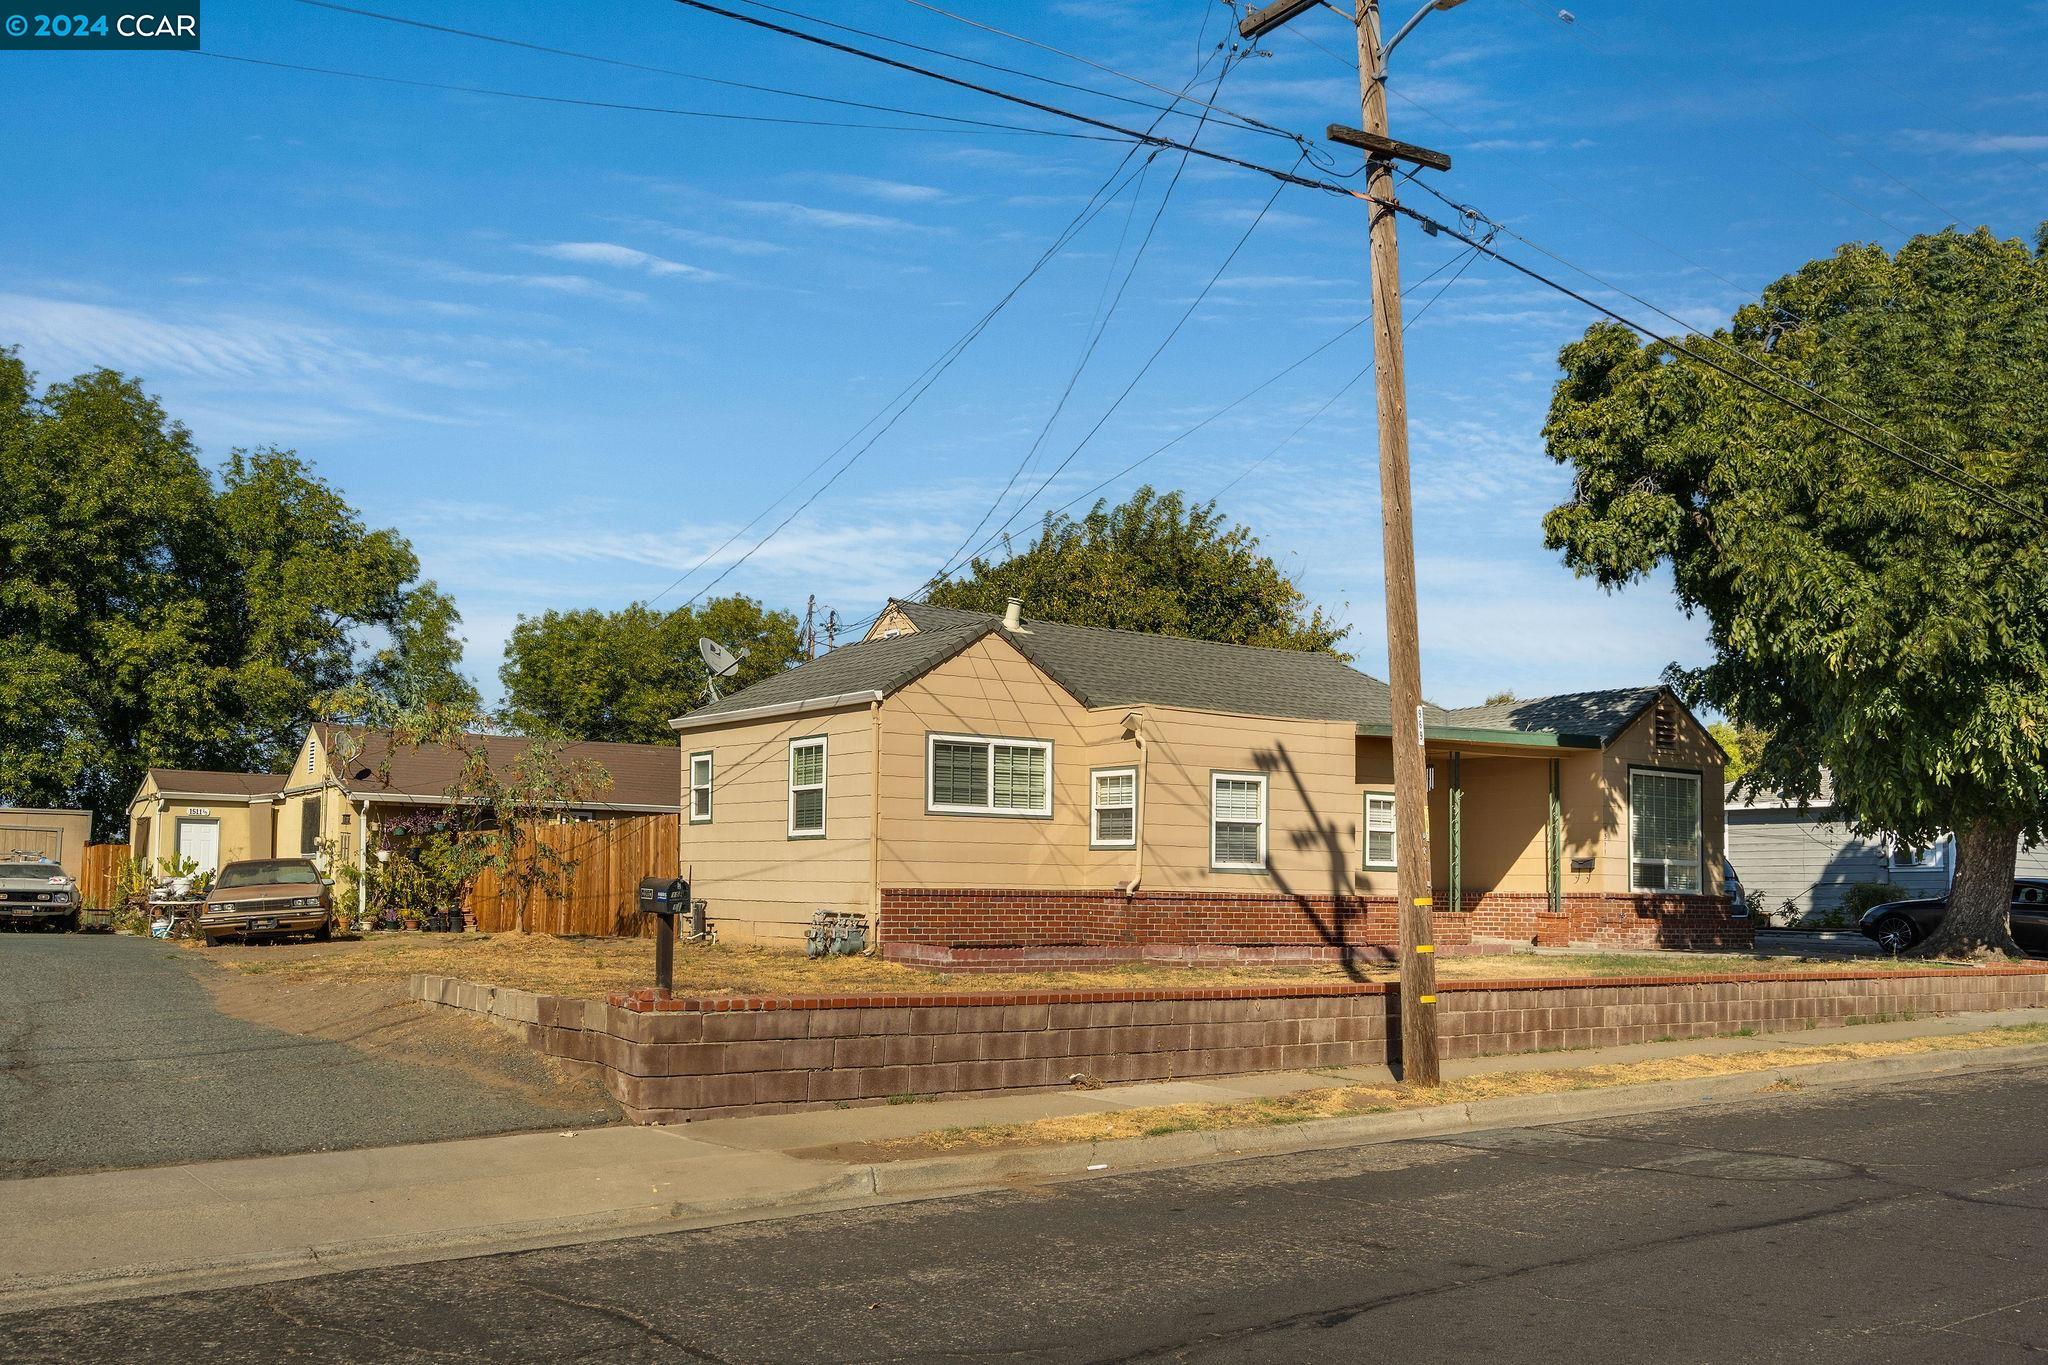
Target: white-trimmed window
807 788
1381 848
1664 844
975 775
1907 858
1237 821
1113 808
700 788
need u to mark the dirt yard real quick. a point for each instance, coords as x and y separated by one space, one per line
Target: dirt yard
596 966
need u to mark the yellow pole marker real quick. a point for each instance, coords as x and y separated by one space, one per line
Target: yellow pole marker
1425 947
1425 1000
1422 900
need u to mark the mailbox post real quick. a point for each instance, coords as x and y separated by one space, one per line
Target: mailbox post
665 898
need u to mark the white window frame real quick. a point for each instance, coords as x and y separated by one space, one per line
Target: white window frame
1095 808
704 786
990 743
824 776
1216 864
1933 858
1385 799
1701 815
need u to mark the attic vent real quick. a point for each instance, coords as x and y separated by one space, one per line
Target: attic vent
1664 728
891 633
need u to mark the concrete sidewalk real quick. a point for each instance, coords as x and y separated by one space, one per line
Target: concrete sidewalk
79 1238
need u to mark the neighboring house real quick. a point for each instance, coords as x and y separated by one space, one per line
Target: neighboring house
345 780
60 835
205 817
975 783
1782 852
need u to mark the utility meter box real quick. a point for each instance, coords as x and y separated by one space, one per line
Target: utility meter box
665 895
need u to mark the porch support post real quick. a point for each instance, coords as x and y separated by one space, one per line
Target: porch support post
1555 841
1457 833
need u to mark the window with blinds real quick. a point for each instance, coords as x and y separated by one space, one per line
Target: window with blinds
1113 808
807 788
700 789
1237 821
1664 831
1380 848
972 775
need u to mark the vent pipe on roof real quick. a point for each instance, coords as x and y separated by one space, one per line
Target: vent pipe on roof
1013 614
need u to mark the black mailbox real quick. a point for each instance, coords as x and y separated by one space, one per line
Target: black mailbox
665 895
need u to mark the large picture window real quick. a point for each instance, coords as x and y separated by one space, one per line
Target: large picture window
1663 831
1380 846
807 788
1237 821
972 775
1113 807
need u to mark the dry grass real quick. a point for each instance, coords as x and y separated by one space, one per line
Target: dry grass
1339 1101
596 966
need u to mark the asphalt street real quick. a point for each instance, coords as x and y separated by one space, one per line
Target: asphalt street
1884 1224
112 1053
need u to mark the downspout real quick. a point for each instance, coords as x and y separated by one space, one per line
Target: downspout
875 823
363 859
1133 722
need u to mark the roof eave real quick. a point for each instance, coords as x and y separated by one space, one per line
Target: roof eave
1530 739
838 701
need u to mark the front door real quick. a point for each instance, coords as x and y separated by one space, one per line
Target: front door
199 841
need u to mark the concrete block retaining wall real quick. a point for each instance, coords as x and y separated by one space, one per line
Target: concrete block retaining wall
668 1059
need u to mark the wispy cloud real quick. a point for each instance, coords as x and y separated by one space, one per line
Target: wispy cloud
625 258
893 191
809 215
579 286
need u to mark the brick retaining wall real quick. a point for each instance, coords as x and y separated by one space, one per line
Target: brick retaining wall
669 1059
955 927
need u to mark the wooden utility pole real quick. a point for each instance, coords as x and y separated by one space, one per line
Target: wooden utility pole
1397 549
1419 1063
810 626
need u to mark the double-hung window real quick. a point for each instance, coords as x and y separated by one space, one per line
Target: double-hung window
700 789
973 775
1237 821
807 788
1380 848
1663 831
1113 807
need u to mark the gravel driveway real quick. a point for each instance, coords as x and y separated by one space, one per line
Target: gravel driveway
114 1052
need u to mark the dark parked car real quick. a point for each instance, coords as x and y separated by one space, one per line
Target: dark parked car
36 892
267 898
1898 925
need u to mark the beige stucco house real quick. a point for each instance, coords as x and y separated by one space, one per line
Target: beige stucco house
345 780
994 790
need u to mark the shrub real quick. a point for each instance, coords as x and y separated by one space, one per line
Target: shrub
1863 895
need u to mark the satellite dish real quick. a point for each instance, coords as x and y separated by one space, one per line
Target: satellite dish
722 662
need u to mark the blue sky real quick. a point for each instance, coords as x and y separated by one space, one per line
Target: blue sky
570 351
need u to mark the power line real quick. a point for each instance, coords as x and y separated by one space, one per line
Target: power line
638 66
1081 219
1143 369
984 127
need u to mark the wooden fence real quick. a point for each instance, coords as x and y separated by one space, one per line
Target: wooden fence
99 881
601 892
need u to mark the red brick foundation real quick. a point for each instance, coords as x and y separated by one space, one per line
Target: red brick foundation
667 1060
968 928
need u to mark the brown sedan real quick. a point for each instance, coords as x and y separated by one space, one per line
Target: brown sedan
268 898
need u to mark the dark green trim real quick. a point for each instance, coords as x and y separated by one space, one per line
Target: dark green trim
1536 739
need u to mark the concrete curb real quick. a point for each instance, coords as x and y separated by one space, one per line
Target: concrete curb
879 1183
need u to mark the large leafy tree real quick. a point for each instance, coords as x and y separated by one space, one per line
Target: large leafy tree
1154 564
151 615
1882 622
623 675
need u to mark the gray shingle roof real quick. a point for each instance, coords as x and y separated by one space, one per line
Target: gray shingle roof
641 774
870 666
213 782
1122 668
1588 715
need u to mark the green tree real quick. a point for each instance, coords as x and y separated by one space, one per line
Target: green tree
1742 742
421 666
623 675
1152 564
149 617
1885 624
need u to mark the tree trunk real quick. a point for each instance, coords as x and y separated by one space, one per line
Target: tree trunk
1979 918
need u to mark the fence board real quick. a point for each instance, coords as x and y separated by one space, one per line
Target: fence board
99 879
600 895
